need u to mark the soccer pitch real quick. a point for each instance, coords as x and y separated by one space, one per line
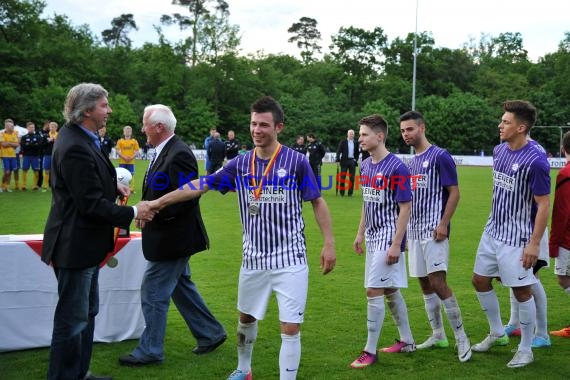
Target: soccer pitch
334 331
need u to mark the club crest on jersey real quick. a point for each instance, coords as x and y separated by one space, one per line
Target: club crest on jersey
425 164
281 173
515 167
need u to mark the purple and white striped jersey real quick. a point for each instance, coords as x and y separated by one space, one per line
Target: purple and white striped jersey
384 184
273 236
432 171
517 177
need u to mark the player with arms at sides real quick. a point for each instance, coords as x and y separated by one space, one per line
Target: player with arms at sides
127 148
272 181
509 246
512 328
385 214
434 199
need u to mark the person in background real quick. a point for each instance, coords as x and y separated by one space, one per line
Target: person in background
31 147
9 141
316 153
347 155
127 148
49 141
215 153
243 150
232 145
79 229
206 145
299 145
106 143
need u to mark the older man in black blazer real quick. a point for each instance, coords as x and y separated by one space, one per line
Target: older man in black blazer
79 229
347 154
175 234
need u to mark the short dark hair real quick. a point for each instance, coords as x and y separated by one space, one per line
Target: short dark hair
523 110
412 115
376 123
311 136
268 104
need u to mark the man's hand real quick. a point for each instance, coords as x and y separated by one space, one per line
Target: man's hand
123 189
357 245
440 233
393 254
328 258
144 212
529 256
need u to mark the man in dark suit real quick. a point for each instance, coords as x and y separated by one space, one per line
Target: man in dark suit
79 229
216 153
168 242
347 155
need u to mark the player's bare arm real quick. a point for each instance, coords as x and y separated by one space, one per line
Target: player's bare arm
440 232
530 252
323 217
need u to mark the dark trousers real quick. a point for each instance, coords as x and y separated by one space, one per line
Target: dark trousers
348 167
316 166
73 323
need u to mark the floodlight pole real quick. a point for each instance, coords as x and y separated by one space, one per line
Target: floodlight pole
414 53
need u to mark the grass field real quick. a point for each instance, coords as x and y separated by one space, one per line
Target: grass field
334 331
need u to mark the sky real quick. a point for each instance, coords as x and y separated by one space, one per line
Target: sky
263 23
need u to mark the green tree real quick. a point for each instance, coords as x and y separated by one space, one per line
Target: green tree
118 34
306 36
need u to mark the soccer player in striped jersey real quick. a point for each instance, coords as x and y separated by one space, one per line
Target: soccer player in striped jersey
435 195
385 213
509 246
272 181
512 328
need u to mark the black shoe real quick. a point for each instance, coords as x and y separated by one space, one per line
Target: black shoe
132 361
201 350
91 376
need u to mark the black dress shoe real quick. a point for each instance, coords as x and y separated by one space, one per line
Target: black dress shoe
133 361
201 350
91 376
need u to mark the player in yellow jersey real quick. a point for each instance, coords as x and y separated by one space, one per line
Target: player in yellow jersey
9 141
127 149
50 138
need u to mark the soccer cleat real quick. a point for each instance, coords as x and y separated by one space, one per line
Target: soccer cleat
538 342
521 359
400 346
240 375
364 360
433 342
564 333
512 330
491 341
463 346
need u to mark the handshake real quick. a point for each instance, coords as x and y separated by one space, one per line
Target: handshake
146 210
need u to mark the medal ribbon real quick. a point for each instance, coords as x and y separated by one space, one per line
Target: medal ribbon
257 190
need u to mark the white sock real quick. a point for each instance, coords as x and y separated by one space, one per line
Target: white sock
399 313
514 319
374 322
246 335
541 309
433 309
490 305
527 317
289 356
454 315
